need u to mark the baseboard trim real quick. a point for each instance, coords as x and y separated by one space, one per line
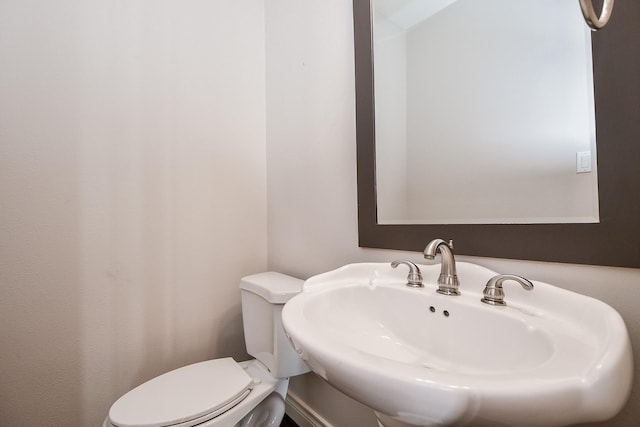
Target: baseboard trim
303 414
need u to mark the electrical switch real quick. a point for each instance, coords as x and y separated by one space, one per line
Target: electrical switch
583 161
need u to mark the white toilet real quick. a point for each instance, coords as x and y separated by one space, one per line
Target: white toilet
221 392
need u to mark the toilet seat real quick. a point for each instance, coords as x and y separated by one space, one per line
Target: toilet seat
184 397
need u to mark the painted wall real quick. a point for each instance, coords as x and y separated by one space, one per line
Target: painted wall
132 195
312 221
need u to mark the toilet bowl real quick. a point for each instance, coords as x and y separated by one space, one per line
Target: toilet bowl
268 413
223 392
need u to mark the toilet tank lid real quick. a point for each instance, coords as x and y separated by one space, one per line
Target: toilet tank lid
277 288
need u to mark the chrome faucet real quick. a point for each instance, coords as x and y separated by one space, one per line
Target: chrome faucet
414 279
448 280
493 293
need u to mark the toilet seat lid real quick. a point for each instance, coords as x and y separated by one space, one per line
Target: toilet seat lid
196 393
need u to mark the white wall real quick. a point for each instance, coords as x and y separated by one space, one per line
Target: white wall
312 183
132 195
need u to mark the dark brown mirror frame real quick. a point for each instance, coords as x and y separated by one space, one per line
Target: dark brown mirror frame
614 241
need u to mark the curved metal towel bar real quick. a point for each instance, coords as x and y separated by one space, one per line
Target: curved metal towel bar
592 18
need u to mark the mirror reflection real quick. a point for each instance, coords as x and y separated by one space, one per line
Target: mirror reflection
484 112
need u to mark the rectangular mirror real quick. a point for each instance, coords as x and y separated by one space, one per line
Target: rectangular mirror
497 90
613 241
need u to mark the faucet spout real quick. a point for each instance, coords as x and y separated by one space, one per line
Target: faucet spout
448 282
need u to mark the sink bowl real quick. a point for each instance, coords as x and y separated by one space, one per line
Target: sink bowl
549 358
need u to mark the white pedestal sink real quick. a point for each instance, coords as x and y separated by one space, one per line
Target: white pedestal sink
549 358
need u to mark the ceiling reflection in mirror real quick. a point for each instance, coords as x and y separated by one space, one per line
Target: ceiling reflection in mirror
484 112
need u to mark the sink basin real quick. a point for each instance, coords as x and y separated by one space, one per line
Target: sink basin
549 358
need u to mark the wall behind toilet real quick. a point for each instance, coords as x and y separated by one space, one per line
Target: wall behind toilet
132 195
312 207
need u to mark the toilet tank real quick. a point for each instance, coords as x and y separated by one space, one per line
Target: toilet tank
263 297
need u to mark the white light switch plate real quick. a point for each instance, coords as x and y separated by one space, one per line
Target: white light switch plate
583 161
